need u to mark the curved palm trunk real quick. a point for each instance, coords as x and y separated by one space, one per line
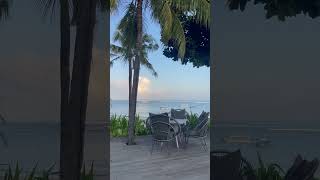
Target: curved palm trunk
79 86
136 66
64 84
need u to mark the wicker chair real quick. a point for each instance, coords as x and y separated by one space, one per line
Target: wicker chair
161 130
199 131
302 169
230 165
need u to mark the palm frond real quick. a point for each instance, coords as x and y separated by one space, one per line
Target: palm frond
179 36
114 4
200 9
145 62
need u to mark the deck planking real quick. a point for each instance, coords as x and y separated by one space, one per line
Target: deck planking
137 163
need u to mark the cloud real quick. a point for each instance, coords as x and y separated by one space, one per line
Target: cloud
144 86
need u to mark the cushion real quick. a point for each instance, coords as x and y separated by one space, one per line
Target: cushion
178 114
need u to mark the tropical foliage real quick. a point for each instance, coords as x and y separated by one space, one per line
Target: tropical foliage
17 173
265 171
119 126
281 9
163 12
192 120
197 43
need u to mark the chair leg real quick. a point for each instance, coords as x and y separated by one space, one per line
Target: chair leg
152 146
177 142
187 139
161 145
168 148
204 144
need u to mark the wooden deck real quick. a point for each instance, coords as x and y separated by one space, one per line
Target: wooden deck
137 163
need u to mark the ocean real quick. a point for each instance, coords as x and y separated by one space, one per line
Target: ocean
120 107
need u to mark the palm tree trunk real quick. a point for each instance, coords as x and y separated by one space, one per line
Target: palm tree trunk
64 84
130 81
79 85
136 66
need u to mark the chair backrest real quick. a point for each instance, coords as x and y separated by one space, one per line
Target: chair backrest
225 165
179 113
203 121
160 126
302 169
154 117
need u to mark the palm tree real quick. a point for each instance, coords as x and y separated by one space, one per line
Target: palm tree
164 12
4 9
127 55
125 35
74 90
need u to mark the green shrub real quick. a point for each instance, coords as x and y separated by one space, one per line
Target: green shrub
265 171
192 119
140 127
87 175
119 126
16 173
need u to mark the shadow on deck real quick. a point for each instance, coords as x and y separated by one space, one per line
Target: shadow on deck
136 162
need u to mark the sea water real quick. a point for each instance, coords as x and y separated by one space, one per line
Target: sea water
120 107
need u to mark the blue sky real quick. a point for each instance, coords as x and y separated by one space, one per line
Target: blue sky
174 82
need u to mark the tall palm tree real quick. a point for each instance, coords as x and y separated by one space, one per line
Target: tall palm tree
127 55
125 35
74 88
4 9
164 12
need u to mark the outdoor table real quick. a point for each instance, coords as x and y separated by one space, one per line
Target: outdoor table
181 124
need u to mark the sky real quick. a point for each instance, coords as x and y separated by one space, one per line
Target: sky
267 69
29 66
174 82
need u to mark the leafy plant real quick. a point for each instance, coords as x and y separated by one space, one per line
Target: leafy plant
87 175
192 120
266 171
119 126
140 127
16 173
